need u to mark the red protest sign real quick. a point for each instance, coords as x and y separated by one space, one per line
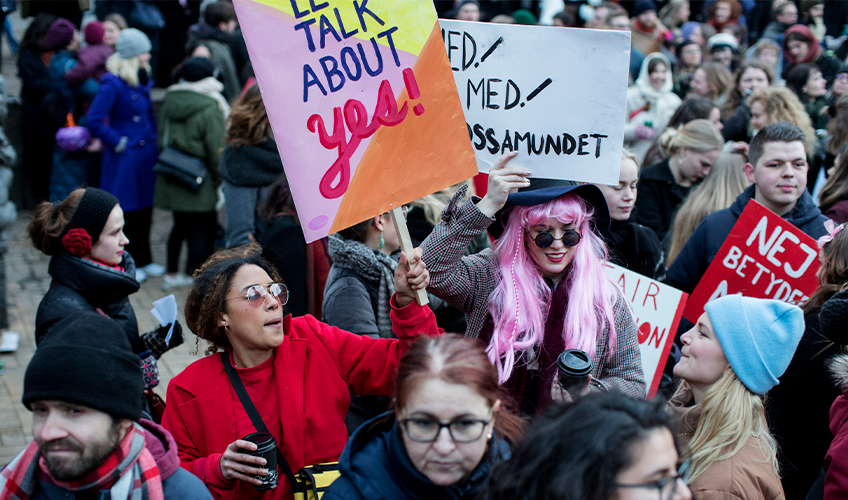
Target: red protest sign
657 309
764 256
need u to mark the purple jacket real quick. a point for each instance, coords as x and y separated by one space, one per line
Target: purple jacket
91 63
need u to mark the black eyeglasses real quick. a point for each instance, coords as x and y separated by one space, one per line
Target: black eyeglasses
426 430
667 486
257 294
569 238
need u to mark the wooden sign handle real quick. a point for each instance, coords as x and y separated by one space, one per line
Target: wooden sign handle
406 246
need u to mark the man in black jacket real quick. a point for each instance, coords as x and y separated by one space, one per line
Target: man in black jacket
778 174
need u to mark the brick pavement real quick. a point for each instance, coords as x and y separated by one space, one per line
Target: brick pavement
27 281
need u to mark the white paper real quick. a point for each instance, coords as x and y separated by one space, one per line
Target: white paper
165 312
556 95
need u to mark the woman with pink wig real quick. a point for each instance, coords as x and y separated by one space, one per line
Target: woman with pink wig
542 288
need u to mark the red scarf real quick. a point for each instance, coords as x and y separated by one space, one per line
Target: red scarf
130 472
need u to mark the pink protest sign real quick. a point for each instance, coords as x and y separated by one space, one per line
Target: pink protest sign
362 103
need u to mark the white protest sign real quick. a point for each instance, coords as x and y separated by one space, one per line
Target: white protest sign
556 95
657 309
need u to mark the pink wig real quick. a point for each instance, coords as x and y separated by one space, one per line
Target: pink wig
520 302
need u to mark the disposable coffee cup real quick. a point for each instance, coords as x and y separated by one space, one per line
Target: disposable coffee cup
574 367
266 447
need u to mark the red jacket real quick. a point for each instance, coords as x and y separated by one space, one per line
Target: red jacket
316 367
836 460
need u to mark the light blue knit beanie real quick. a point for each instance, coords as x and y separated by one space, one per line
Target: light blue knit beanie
758 336
132 42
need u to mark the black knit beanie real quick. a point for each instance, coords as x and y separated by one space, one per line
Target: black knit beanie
86 360
195 69
833 318
92 213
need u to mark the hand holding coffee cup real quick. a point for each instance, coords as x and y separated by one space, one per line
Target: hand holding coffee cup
574 369
237 464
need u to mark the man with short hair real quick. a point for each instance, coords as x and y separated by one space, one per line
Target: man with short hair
777 170
84 388
785 15
215 33
620 21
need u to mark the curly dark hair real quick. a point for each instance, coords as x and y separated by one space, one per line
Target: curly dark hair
206 301
575 452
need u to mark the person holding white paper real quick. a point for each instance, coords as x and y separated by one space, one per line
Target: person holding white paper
91 271
521 298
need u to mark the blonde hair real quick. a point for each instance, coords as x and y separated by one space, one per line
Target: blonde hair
126 69
697 135
719 190
730 414
433 204
782 105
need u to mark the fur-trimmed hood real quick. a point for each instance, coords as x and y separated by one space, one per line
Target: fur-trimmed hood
839 371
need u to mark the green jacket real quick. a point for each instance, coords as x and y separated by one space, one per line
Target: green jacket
196 127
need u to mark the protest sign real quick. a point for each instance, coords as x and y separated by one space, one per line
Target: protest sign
555 95
362 103
657 309
764 256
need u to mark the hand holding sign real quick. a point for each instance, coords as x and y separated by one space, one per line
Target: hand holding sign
503 181
554 94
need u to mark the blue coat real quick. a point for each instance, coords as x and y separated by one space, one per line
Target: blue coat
374 466
120 111
708 237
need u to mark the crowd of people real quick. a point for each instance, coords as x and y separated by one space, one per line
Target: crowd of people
318 357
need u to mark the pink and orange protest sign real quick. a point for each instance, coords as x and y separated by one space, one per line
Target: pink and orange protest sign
764 256
362 103
657 309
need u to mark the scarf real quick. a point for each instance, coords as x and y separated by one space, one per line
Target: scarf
208 86
655 99
373 267
130 473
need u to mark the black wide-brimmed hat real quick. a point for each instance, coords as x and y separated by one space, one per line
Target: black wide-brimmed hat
544 190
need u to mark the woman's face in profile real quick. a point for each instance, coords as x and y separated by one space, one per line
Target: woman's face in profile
651 474
443 460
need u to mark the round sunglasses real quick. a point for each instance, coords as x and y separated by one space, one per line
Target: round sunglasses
569 238
257 294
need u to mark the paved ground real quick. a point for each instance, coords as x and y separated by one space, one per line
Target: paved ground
27 281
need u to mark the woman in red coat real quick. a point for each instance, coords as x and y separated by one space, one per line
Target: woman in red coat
298 372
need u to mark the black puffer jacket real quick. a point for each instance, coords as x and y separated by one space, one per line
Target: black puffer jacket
83 285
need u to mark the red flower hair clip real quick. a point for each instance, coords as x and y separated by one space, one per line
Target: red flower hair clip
77 242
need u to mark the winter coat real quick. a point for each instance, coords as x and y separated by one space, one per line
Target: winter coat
708 237
798 409
218 44
648 106
375 466
248 172
315 368
466 282
634 247
193 124
35 79
91 63
646 42
176 482
836 479
748 475
122 111
659 198
61 62
83 285
350 301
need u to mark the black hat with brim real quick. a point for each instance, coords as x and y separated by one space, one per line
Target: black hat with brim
544 190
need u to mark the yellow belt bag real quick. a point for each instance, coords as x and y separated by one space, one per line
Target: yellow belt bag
311 481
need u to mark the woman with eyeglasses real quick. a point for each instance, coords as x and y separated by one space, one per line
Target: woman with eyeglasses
603 447
542 289
730 359
298 373
449 427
